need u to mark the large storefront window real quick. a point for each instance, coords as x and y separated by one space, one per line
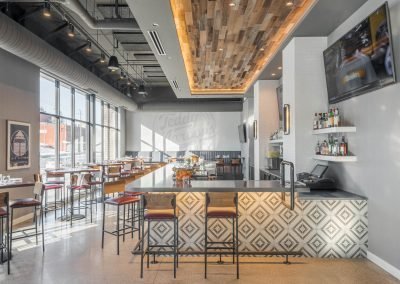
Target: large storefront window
75 128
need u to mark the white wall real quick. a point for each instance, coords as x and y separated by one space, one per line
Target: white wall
304 89
248 147
266 114
173 131
377 145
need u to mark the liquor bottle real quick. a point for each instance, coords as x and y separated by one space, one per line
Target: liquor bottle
336 119
318 149
343 147
320 122
326 120
325 149
336 148
331 118
330 145
315 122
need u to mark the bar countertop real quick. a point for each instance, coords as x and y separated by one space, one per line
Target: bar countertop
161 180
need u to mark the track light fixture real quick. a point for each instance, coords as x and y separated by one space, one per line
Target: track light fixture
71 30
122 75
46 9
89 46
113 64
142 90
102 58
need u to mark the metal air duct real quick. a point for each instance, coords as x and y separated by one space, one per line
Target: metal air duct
17 40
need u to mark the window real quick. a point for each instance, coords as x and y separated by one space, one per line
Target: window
47 95
75 128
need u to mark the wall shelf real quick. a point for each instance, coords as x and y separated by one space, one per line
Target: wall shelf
277 141
339 159
331 130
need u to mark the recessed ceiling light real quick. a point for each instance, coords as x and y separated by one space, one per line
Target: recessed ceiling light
155 25
220 49
232 4
262 49
273 74
280 68
289 3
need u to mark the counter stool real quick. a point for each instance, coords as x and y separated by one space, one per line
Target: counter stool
222 205
80 183
4 228
118 187
159 207
236 166
220 165
35 202
56 188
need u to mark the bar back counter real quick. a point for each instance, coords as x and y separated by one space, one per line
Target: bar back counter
322 224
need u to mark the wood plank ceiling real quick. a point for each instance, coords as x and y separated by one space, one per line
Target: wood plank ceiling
225 43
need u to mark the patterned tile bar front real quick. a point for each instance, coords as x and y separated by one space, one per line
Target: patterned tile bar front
318 228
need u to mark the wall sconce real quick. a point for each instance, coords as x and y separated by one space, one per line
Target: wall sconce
286 119
255 129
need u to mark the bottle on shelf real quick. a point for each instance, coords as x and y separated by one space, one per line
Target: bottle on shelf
336 118
336 148
330 145
315 122
343 147
318 149
331 118
320 121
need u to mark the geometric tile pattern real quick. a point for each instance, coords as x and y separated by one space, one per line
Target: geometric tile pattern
318 228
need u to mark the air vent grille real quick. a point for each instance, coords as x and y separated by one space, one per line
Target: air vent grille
176 85
157 42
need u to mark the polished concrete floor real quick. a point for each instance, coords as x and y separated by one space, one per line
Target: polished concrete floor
74 255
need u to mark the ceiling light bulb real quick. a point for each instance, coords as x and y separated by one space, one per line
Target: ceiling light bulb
46 9
121 76
155 25
273 74
102 58
289 3
71 30
221 49
89 46
280 68
262 49
232 4
128 83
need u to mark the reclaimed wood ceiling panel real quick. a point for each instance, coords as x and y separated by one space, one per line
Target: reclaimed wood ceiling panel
225 43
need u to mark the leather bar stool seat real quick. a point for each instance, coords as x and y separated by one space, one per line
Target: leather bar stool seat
123 200
24 202
48 186
3 212
152 214
221 212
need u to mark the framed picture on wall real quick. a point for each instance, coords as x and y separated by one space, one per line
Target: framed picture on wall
18 145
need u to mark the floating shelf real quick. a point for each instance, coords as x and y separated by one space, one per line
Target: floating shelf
330 130
339 159
277 141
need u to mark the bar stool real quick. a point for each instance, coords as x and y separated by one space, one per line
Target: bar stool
113 172
160 207
127 169
35 202
48 187
222 205
5 230
80 183
220 165
236 165
118 187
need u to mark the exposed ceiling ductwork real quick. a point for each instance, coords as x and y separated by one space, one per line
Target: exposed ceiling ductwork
76 7
19 41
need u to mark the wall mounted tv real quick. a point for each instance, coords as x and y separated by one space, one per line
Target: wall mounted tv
362 60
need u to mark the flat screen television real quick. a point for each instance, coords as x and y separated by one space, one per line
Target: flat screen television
362 60
242 133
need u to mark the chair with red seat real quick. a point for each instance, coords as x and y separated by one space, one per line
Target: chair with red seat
35 203
56 187
5 228
222 205
111 188
159 207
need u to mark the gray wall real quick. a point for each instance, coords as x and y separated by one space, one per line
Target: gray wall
377 145
19 101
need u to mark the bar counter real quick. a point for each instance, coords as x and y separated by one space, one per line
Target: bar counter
161 180
328 225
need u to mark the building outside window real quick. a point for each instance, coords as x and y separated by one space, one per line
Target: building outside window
75 127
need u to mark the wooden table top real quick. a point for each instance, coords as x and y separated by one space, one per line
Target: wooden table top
71 170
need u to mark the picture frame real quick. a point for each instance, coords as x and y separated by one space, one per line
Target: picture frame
18 145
